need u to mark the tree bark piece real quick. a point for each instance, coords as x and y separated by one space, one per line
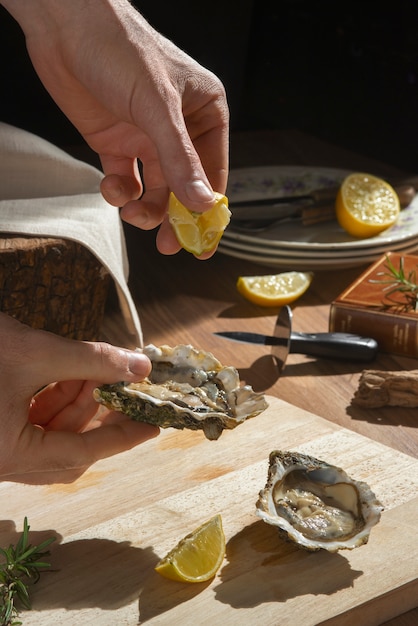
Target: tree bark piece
378 388
53 284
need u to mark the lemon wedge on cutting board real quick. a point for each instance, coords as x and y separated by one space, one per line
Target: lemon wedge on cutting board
366 205
274 289
199 232
198 556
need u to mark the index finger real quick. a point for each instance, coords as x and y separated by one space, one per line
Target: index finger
62 457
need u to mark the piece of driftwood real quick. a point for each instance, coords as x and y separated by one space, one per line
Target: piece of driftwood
53 284
378 388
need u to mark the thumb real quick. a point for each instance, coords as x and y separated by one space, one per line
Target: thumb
36 358
183 169
193 166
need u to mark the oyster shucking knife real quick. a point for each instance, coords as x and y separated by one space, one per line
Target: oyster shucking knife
344 346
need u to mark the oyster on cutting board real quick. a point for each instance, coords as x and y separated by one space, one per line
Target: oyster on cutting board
187 388
315 504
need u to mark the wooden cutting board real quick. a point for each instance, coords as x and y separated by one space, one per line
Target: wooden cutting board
117 520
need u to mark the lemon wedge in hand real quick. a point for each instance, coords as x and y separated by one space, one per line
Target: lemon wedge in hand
198 556
366 205
199 232
274 289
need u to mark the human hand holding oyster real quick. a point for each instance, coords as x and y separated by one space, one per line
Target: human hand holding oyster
187 388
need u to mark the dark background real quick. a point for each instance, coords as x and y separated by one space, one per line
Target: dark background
345 72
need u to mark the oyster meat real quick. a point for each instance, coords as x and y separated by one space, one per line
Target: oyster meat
315 504
187 388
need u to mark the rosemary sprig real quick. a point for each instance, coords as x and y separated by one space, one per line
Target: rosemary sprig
21 564
397 281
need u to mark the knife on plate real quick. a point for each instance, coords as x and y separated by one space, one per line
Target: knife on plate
343 346
326 195
317 205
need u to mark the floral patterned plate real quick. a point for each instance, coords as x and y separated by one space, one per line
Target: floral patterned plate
307 263
265 182
261 247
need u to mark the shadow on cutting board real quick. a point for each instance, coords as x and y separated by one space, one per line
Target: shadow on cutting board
259 568
92 573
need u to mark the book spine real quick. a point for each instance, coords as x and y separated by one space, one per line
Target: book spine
393 333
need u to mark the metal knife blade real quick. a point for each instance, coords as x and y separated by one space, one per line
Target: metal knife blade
325 194
247 337
272 210
281 206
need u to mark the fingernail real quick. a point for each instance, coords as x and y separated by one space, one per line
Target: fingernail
139 364
198 191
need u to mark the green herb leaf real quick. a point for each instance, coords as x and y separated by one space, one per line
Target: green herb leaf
397 281
22 564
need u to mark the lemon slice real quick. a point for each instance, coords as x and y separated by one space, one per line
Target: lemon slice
198 556
366 205
274 289
199 232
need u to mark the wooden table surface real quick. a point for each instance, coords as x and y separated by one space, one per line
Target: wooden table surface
183 300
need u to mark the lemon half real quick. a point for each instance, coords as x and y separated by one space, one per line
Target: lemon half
198 556
274 289
366 205
199 232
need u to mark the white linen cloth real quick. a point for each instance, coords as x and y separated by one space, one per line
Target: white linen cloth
46 192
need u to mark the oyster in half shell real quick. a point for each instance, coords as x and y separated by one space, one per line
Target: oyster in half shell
187 388
315 504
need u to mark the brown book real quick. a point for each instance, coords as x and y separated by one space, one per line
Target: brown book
367 308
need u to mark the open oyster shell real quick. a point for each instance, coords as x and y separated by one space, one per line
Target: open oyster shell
187 388
315 504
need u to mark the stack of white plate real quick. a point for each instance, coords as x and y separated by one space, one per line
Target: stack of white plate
291 245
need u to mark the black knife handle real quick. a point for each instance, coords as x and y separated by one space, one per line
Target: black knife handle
345 346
